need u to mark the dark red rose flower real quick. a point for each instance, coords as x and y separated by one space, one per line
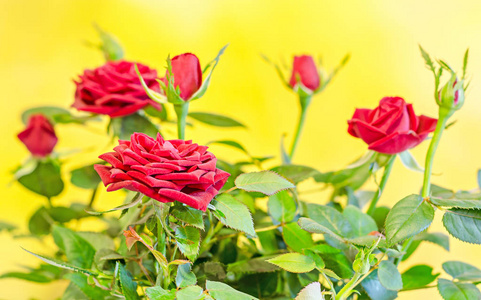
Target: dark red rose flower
187 74
166 171
392 127
305 69
39 136
114 89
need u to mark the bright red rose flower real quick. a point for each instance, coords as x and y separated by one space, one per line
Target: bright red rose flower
392 127
166 171
39 136
114 89
187 74
306 70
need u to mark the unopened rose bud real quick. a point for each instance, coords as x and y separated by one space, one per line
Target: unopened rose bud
304 70
39 136
451 95
187 75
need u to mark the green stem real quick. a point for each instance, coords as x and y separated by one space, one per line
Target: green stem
304 101
444 115
443 118
181 110
382 184
344 292
92 198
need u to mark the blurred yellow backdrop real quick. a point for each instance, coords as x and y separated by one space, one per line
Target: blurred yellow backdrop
42 49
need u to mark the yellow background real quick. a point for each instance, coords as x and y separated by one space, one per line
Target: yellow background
42 49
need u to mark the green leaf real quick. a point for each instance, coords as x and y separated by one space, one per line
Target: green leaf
282 207
410 162
451 290
98 240
201 91
294 262
311 292
389 276
188 241
462 271
85 177
457 203
221 291
251 266
418 276
296 173
45 180
236 214
185 276
408 217
188 215
380 215
124 127
265 182
362 224
320 264
434 237
464 224
330 218
32 276
81 281
129 286
192 292
54 114
215 119
247 200
230 143
314 227
7 227
62 265
375 290
158 293
40 222
368 241
79 252
63 214
110 45
296 238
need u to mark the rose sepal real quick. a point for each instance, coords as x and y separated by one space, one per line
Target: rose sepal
153 95
205 84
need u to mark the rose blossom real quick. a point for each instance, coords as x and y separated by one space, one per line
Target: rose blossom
39 136
166 171
187 74
305 69
114 89
392 127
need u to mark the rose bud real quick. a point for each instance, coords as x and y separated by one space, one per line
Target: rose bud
451 95
39 136
304 69
392 127
114 89
187 75
167 171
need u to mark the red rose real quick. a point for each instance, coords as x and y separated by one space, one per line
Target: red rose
166 171
305 69
187 74
114 89
39 136
392 127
